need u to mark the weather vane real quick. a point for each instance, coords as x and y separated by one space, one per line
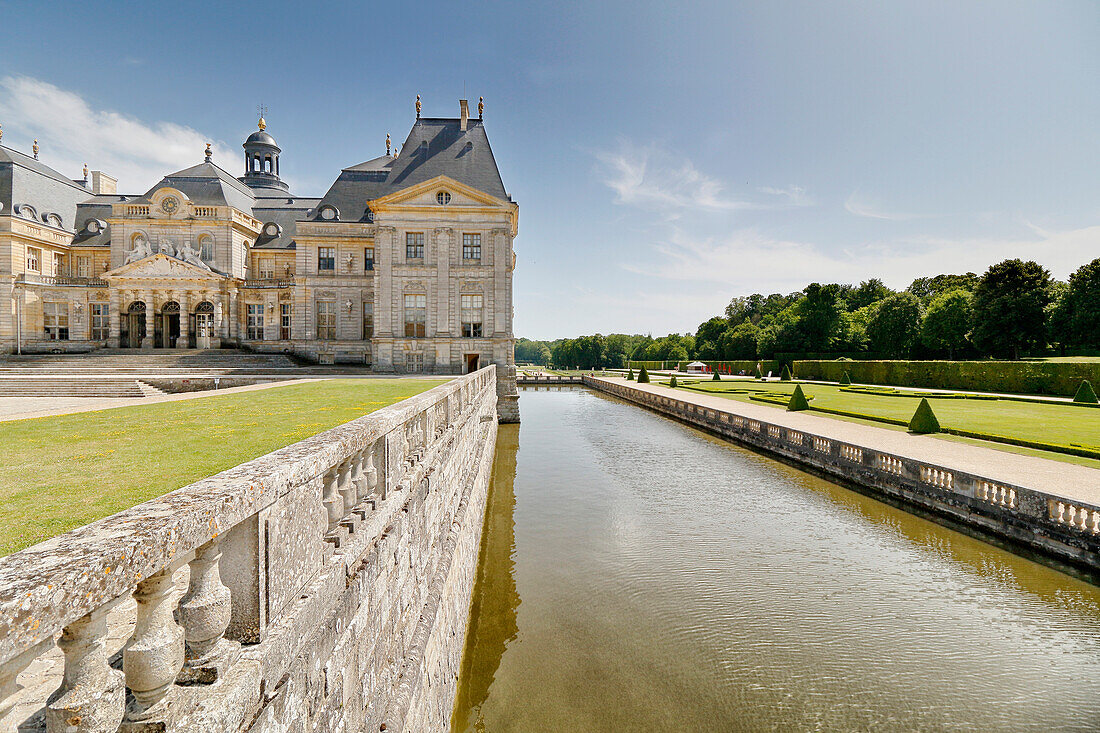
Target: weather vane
261 110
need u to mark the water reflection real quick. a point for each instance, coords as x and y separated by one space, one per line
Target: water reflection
495 600
671 580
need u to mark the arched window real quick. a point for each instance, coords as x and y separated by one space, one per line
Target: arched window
256 164
267 164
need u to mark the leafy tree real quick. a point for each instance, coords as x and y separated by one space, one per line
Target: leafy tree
947 322
678 353
740 342
1010 308
927 287
819 316
895 326
1084 305
866 293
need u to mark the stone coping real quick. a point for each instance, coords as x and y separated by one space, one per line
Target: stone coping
56 582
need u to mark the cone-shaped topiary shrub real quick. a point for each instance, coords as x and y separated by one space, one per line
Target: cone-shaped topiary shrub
786 375
643 376
630 375
846 379
1085 394
798 400
716 378
924 420
672 382
759 374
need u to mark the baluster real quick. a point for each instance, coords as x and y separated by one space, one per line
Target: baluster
1095 522
1061 513
92 697
332 500
153 656
9 684
359 475
1072 512
371 478
346 487
1084 515
204 613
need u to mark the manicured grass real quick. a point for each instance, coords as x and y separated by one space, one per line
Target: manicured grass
1060 424
60 472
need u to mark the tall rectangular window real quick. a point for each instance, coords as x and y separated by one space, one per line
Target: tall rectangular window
368 321
284 321
55 320
59 269
84 266
34 259
206 249
414 362
326 259
416 315
471 248
267 268
101 321
368 259
256 321
326 320
414 245
472 305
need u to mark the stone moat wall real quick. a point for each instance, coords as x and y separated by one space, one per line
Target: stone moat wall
323 587
1064 530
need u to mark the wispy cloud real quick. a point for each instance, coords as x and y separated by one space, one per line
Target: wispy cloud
859 205
649 176
795 195
72 132
749 260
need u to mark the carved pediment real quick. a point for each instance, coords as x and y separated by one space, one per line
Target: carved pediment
161 266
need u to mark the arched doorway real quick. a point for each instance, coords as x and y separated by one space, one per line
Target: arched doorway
168 325
132 326
202 325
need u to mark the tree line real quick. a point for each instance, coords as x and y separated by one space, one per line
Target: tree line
1014 308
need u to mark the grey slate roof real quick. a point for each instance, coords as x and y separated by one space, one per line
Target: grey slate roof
285 210
24 180
97 207
207 185
435 147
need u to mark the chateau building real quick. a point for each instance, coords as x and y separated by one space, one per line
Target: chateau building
405 264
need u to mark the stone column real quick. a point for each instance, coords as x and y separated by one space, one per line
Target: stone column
150 314
185 319
115 304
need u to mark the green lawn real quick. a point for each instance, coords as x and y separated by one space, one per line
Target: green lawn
64 471
1032 421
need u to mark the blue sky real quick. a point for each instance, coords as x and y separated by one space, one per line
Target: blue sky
666 157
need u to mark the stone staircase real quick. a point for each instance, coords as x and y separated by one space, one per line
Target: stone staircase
74 387
115 362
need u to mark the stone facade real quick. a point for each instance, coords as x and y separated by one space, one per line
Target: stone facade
404 265
328 588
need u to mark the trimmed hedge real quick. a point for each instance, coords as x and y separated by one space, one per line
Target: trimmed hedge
924 420
643 376
1085 394
716 378
786 375
672 382
798 400
1019 377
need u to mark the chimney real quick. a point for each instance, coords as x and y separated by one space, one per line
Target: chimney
464 116
103 183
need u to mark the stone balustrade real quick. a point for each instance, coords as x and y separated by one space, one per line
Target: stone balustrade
1066 530
335 556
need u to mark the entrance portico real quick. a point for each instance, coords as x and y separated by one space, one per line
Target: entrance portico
166 303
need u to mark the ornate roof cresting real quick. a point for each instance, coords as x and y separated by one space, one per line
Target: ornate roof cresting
480 107
209 153
418 106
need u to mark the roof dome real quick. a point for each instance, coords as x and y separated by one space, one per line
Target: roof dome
260 137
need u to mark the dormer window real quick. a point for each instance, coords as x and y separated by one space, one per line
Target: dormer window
443 198
329 213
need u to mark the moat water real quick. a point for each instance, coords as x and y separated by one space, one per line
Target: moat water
638 575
